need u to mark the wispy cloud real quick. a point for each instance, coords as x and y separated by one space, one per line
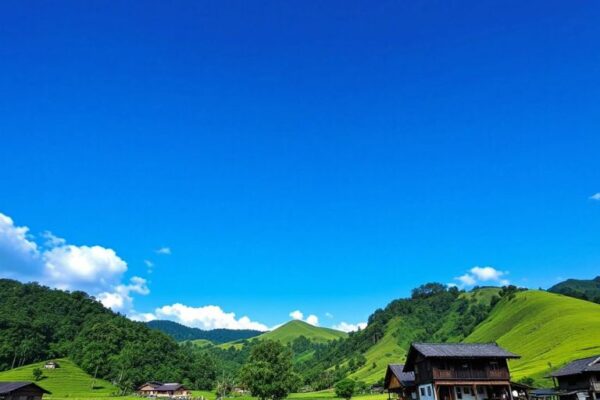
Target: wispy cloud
595 196
164 250
346 327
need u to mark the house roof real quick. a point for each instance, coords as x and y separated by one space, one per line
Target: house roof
405 378
9 387
167 387
589 364
455 350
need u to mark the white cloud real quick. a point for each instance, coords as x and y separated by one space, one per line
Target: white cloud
83 267
206 317
120 298
329 315
477 275
595 196
94 269
149 263
164 250
297 315
346 327
313 320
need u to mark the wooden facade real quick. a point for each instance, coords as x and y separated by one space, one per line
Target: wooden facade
579 380
460 371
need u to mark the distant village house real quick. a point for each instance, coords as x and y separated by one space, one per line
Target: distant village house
159 389
51 365
452 371
21 391
579 380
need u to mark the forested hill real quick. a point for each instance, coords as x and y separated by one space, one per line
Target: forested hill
585 289
38 323
182 333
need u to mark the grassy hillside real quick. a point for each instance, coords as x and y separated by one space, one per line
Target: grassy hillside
399 334
543 328
68 381
289 331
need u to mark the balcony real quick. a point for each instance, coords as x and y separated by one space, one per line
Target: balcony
471 374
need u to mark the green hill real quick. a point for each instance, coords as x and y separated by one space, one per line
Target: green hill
67 381
543 328
182 333
289 331
585 289
399 332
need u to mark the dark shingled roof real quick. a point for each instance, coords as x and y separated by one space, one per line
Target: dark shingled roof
405 378
9 387
455 350
168 387
589 364
468 350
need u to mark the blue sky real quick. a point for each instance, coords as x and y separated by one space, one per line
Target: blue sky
292 155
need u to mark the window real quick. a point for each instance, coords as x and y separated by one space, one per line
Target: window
467 390
422 391
494 365
458 392
429 391
480 389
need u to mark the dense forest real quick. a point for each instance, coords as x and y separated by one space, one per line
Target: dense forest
182 333
38 323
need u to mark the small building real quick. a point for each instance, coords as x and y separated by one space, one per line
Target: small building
159 389
400 383
460 371
579 380
51 365
21 391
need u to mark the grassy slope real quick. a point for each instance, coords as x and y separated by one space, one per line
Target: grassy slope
202 342
391 349
542 327
289 331
67 381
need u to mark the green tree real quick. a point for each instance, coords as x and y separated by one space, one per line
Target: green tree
37 374
268 373
345 388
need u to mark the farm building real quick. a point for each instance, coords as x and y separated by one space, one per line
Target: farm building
400 383
579 380
51 365
459 371
21 391
159 389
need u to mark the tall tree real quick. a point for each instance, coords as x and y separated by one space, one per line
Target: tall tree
269 373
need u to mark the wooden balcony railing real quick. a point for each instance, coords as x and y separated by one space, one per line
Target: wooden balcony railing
476 374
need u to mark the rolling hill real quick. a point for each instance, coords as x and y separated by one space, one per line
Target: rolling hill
182 333
585 289
399 333
291 330
546 329
68 381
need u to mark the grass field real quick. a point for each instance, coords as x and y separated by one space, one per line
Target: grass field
68 381
543 328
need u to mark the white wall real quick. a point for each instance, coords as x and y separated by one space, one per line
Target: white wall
426 392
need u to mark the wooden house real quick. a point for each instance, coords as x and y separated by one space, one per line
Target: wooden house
21 391
399 383
460 371
159 389
579 380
